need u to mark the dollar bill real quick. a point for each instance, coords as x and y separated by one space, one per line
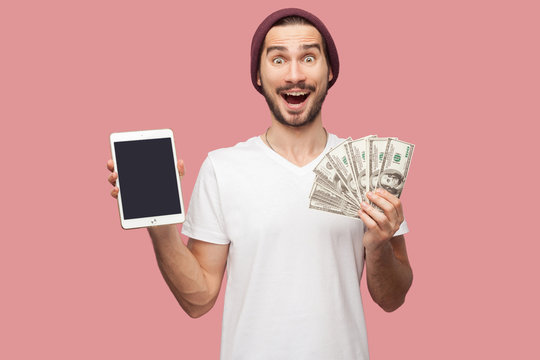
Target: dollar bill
354 167
376 148
328 174
332 205
356 152
395 166
320 186
340 160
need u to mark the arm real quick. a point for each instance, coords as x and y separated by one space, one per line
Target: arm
388 271
389 274
193 272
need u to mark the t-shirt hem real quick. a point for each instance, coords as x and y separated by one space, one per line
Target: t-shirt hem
204 235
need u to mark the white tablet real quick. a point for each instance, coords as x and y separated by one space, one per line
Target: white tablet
148 178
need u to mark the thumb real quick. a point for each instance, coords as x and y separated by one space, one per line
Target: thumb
181 168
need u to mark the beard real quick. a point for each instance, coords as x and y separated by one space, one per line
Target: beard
312 113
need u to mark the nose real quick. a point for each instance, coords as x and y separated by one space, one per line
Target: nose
295 73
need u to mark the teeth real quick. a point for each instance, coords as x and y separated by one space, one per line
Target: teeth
296 93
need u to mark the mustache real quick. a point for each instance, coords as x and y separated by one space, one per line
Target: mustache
302 86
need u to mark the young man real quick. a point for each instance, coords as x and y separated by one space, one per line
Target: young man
293 287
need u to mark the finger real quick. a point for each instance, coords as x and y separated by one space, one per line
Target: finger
383 223
375 214
112 178
114 192
386 206
110 165
181 168
368 221
394 200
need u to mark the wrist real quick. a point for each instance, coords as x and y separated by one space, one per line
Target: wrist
378 250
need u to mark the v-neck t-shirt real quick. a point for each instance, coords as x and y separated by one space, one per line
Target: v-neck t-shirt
293 273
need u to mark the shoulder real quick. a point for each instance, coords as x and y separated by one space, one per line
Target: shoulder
236 159
226 164
241 151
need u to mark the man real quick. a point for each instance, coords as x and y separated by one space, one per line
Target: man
293 286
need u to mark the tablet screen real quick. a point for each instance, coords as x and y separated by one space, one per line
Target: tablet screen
147 175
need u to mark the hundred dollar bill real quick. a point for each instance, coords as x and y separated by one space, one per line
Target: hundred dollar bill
327 174
340 161
354 167
376 148
322 204
317 205
319 186
336 189
345 208
356 152
395 166
321 192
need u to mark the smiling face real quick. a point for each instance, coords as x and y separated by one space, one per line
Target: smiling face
294 74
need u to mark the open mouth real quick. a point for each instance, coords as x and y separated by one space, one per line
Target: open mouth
295 97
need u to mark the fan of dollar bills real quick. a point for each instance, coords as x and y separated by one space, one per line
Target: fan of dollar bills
355 167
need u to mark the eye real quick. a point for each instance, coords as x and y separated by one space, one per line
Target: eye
309 58
278 61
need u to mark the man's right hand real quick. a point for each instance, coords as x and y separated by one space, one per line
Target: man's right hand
194 272
114 175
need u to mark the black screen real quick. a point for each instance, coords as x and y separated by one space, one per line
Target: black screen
147 176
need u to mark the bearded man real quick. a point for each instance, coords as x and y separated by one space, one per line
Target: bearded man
293 274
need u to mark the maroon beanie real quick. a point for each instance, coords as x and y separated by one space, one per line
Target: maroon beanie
266 25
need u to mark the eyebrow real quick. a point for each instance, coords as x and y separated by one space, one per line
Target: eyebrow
276 48
311 46
283 48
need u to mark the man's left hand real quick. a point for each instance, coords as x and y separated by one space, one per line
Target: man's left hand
381 225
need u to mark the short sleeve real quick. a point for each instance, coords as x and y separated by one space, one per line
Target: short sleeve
403 229
204 219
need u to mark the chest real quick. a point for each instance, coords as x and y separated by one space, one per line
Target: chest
271 202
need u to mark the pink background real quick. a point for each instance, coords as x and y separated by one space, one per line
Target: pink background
460 79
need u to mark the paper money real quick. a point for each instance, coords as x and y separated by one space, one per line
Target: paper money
376 148
328 174
395 166
354 167
356 152
321 199
317 204
341 162
320 186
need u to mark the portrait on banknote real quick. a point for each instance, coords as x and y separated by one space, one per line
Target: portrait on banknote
392 181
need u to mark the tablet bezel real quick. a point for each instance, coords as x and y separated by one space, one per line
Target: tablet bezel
152 220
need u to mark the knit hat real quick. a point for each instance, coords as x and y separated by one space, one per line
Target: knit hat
266 25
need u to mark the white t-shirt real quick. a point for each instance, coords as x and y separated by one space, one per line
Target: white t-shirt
293 273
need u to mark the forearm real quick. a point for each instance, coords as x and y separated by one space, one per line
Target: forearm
388 277
181 270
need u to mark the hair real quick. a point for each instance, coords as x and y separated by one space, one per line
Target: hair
297 20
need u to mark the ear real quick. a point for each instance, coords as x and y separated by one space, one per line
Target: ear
259 78
330 74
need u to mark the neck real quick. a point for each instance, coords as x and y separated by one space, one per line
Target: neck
299 145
